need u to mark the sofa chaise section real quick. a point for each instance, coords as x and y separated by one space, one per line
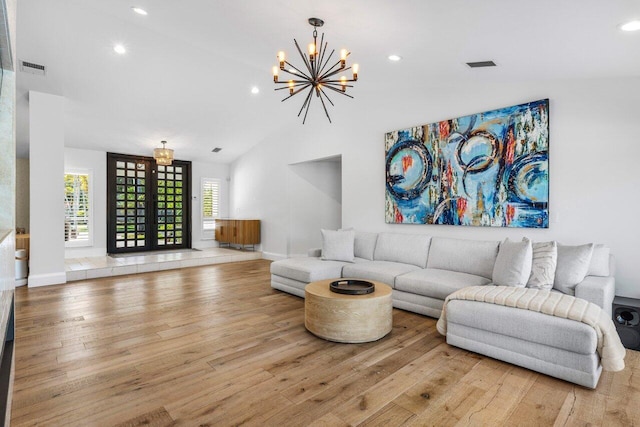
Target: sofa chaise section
561 348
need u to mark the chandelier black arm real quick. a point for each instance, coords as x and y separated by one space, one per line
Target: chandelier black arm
326 62
299 72
324 105
322 92
337 83
338 90
333 71
322 50
307 103
304 57
295 92
295 84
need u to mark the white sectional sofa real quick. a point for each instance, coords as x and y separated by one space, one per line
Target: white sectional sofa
424 270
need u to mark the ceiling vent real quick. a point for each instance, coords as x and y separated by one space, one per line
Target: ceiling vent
33 68
216 150
481 64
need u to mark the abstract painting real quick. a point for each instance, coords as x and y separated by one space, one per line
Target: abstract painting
487 169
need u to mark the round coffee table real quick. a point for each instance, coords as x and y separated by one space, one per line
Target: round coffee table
347 318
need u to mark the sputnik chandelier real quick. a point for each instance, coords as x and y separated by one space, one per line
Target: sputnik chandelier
318 76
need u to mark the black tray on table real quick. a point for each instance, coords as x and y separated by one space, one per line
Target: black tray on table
352 287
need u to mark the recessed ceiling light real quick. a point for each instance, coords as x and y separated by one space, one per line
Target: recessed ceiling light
139 11
120 49
255 90
394 58
631 26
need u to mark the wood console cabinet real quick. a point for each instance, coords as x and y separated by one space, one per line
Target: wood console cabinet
242 232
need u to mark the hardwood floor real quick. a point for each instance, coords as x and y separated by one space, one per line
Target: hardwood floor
216 345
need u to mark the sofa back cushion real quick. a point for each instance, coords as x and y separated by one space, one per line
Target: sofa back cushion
405 248
365 244
573 266
465 256
513 263
600 260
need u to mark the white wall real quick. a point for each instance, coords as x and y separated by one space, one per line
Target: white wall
594 149
97 162
46 156
315 202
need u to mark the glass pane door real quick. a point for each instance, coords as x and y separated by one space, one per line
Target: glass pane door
170 210
148 205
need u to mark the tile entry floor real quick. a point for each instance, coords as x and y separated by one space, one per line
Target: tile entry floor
106 266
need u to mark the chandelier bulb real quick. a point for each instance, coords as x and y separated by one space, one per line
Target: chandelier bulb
343 58
275 74
355 69
281 59
290 87
343 83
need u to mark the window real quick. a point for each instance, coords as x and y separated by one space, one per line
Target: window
77 208
210 205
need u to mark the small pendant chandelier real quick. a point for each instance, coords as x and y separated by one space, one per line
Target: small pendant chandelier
318 77
163 156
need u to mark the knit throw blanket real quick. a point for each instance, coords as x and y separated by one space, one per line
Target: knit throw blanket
609 347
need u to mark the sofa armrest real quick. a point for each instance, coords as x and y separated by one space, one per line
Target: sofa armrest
315 252
598 290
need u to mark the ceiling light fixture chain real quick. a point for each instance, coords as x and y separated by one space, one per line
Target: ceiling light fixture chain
319 75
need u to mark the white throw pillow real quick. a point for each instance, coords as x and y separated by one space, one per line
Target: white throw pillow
599 265
365 244
543 265
338 245
573 265
513 264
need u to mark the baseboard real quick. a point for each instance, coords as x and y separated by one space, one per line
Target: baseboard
46 279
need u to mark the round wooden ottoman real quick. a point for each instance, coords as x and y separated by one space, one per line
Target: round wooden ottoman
347 318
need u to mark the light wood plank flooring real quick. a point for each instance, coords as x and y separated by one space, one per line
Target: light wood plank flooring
216 346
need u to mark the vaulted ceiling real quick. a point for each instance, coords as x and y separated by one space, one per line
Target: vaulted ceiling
190 65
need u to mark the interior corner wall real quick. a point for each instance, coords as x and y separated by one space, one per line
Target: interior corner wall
315 203
46 156
594 149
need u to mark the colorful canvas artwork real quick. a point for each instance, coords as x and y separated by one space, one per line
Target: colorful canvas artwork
486 169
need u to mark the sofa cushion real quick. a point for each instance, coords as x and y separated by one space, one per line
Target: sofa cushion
599 265
435 283
381 271
543 265
338 245
573 265
365 244
513 263
475 257
307 269
404 248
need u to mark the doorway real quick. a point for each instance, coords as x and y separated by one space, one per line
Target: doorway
148 205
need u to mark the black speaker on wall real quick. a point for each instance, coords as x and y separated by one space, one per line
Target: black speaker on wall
626 317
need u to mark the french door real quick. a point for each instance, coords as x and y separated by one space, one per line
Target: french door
149 206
